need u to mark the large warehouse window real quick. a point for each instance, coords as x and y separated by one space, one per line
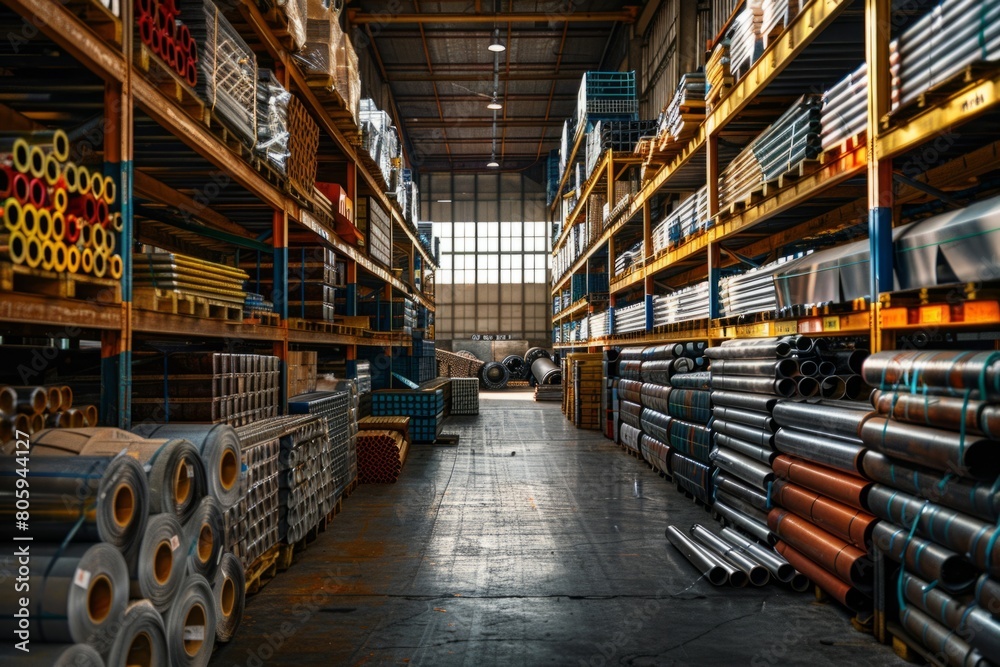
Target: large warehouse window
492 230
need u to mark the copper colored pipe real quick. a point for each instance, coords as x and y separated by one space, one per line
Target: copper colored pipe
834 484
155 40
91 415
835 555
8 399
65 397
30 400
844 593
940 411
192 73
84 206
846 523
975 457
146 29
101 214
36 423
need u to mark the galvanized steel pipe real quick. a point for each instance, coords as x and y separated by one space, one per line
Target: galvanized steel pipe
924 558
756 573
779 568
821 418
829 451
750 526
711 567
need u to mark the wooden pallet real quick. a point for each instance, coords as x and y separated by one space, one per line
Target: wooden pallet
181 303
262 570
338 507
848 145
801 170
21 278
99 19
263 318
968 75
170 83
320 327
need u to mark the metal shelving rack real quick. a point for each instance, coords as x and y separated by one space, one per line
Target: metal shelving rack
833 191
103 45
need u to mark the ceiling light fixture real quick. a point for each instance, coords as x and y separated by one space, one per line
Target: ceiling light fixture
496 46
493 164
494 105
444 201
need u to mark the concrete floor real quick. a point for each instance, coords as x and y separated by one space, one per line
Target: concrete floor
528 543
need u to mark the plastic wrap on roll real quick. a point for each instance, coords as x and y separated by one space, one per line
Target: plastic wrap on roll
191 624
77 594
219 448
103 498
157 570
141 639
229 589
205 537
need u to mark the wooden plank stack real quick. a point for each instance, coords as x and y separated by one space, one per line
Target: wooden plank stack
582 401
158 273
381 454
303 144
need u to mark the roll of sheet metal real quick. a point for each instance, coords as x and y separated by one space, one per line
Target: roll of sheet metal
756 573
57 655
631 437
820 418
847 523
535 353
784 387
945 412
749 526
630 414
545 371
752 472
710 567
780 568
750 418
655 452
694 440
735 487
846 594
692 476
744 401
190 624
968 536
77 594
205 537
655 397
174 468
763 455
157 570
495 375
940 640
849 563
924 558
515 366
656 425
219 449
945 372
831 452
229 590
970 622
141 640
630 390
834 484
102 498
972 456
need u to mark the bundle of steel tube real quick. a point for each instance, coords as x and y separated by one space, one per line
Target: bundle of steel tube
631 318
741 177
33 409
819 482
727 558
227 68
794 137
57 216
163 30
252 524
684 305
629 258
845 109
941 45
718 74
777 14
599 325
333 407
750 292
687 218
934 458
683 113
744 35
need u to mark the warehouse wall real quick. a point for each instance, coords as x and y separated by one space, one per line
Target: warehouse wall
494 255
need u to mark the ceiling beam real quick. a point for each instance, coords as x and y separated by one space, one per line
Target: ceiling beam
487 139
484 75
626 15
484 98
429 122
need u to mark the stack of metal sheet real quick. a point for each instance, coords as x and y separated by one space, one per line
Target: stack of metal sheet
745 44
629 258
684 305
718 74
845 108
686 219
227 68
818 496
252 524
777 14
932 451
371 213
332 406
679 121
599 325
464 396
161 270
629 319
941 45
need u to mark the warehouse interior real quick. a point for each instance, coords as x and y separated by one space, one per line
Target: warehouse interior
635 332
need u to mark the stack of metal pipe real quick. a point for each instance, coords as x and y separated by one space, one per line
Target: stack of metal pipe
690 303
679 121
332 406
777 14
687 218
845 108
599 325
750 292
819 496
33 409
629 258
794 137
163 31
729 558
252 524
941 45
741 177
933 452
631 318
745 44
138 526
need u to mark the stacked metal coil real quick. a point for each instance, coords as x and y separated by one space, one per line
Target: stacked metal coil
684 305
933 444
941 45
687 218
162 29
494 375
57 216
819 496
845 109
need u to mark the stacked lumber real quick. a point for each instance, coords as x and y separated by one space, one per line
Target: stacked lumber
303 144
157 269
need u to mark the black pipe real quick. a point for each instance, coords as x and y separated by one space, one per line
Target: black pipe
750 418
783 387
743 432
744 401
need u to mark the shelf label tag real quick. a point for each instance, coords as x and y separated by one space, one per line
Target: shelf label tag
831 323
